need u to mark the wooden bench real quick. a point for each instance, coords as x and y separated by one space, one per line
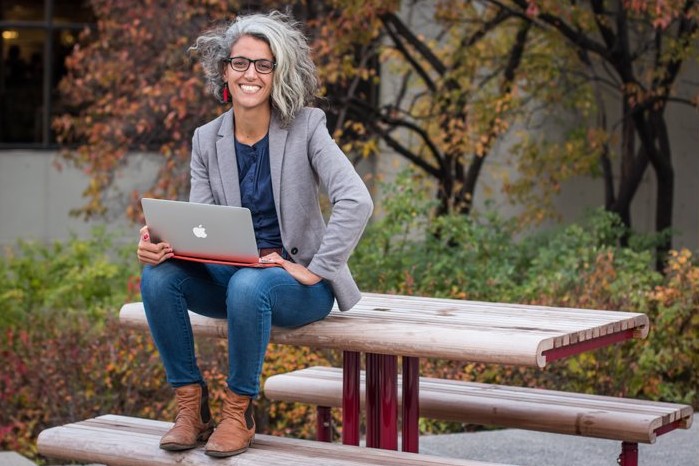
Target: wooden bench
627 420
119 440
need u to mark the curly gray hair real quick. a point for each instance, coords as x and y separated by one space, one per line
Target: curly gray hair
295 83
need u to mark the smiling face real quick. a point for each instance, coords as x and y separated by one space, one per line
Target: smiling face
249 89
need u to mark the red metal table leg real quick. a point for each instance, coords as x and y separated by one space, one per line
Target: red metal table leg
373 396
388 385
350 398
629 454
324 428
411 404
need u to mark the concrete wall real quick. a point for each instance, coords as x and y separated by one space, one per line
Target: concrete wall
36 198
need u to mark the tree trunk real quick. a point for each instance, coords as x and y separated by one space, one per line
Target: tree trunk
665 174
652 132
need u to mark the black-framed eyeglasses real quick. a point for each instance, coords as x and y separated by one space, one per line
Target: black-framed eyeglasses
241 64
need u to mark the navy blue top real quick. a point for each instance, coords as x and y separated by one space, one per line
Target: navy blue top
255 181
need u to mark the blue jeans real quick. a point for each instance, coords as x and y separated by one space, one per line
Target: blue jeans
252 299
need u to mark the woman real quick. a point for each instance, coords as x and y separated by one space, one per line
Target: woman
271 154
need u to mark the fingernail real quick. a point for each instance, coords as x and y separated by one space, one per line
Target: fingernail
146 237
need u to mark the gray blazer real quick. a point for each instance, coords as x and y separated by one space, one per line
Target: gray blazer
303 158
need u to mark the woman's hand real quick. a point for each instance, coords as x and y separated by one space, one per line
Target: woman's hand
151 253
298 271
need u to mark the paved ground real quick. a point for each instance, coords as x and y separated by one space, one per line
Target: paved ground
9 458
526 448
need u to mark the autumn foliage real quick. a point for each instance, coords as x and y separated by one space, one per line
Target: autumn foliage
131 86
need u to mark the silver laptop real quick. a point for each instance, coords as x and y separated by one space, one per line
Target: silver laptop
203 232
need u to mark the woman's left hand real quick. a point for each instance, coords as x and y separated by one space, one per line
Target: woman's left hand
298 271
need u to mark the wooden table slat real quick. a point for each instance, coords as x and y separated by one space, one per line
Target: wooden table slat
441 328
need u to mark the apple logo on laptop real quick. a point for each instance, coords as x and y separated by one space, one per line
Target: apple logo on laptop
199 232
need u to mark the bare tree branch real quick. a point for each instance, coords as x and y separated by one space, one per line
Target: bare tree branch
402 30
367 52
404 151
565 29
375 116
467 191
409 57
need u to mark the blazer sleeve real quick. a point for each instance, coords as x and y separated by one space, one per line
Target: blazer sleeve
200 188
351 203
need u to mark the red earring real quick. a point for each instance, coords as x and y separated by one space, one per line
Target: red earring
226 93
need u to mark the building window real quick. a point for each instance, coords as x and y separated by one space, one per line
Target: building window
35 38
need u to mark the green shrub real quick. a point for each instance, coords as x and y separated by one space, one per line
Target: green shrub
668 360
76 277
581 265
409 251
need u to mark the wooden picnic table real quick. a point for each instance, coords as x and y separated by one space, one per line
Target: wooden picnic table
387 326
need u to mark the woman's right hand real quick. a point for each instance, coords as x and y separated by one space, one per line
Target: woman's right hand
152 253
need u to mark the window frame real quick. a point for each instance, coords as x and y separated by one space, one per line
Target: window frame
49 27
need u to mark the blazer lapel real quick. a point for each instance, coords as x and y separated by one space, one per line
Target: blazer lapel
227 165
277 142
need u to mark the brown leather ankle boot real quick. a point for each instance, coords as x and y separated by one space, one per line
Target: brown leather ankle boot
236 430
193 423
